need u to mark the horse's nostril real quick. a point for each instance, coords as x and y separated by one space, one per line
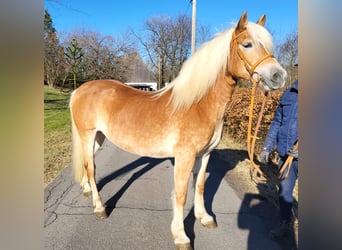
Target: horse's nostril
278 77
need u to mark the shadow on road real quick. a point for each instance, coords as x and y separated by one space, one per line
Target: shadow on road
218 166
258 205
265 206
151 163
217 169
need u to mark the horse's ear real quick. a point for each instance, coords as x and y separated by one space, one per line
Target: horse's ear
242 24
262 20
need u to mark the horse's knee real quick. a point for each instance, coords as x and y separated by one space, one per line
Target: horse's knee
180 198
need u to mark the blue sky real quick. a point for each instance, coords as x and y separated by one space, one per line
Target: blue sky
115 17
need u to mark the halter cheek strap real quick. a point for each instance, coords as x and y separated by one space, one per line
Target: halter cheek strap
250 68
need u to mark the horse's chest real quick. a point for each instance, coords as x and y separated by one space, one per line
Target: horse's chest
215 138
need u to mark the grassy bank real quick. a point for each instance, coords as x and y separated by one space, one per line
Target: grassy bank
57 133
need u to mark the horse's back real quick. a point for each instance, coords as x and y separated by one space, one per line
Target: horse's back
98 88
104 92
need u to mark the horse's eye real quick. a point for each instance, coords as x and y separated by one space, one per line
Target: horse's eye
247 45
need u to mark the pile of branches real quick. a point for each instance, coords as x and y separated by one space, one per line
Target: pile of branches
237 115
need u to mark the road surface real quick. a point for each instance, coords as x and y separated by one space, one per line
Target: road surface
137 194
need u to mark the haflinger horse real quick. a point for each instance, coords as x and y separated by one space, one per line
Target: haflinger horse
186 116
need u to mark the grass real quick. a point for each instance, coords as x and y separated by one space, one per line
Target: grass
57 133
56 110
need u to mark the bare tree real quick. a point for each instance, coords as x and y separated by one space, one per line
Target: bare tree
203 34
287 53
167 44
179 45
103 55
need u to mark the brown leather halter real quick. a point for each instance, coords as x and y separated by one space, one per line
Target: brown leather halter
249 67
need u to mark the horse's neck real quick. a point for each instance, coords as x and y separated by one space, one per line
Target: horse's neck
219 95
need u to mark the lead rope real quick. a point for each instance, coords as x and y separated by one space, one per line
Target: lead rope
287 164
255 169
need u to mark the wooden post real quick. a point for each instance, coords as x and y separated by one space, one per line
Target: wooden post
193 31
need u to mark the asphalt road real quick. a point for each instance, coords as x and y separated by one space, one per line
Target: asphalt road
137 194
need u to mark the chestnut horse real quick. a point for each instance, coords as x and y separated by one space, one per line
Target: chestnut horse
186 116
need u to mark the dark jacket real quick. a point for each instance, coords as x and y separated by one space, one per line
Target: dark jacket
283 132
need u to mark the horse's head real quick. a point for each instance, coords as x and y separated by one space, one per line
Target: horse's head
251 54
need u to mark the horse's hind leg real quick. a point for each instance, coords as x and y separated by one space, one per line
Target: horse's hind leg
182 171
85 185
90 171
200 211
99 139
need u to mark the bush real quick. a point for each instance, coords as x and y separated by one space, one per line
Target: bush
237 112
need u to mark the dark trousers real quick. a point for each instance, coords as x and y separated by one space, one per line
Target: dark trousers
286 191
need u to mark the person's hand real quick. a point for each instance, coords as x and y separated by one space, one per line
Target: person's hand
293 153
264 156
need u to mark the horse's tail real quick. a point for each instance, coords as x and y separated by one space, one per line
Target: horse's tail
77 151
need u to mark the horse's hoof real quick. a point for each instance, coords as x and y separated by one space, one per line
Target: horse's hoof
87 193
210 224
101 214
185 246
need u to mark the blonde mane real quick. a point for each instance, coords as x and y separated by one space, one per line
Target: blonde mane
199 73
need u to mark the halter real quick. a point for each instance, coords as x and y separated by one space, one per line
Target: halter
249 67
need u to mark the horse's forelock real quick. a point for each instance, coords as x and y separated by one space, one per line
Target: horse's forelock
259 33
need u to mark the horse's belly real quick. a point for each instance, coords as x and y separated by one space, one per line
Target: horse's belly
151 145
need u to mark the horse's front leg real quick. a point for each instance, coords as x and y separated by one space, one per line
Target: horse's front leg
182 170
200 211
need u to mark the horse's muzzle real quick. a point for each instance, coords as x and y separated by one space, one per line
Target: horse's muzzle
275 80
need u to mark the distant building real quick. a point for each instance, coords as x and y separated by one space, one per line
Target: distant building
138 74
146 86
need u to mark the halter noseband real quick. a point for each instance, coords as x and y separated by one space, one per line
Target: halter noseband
249 67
